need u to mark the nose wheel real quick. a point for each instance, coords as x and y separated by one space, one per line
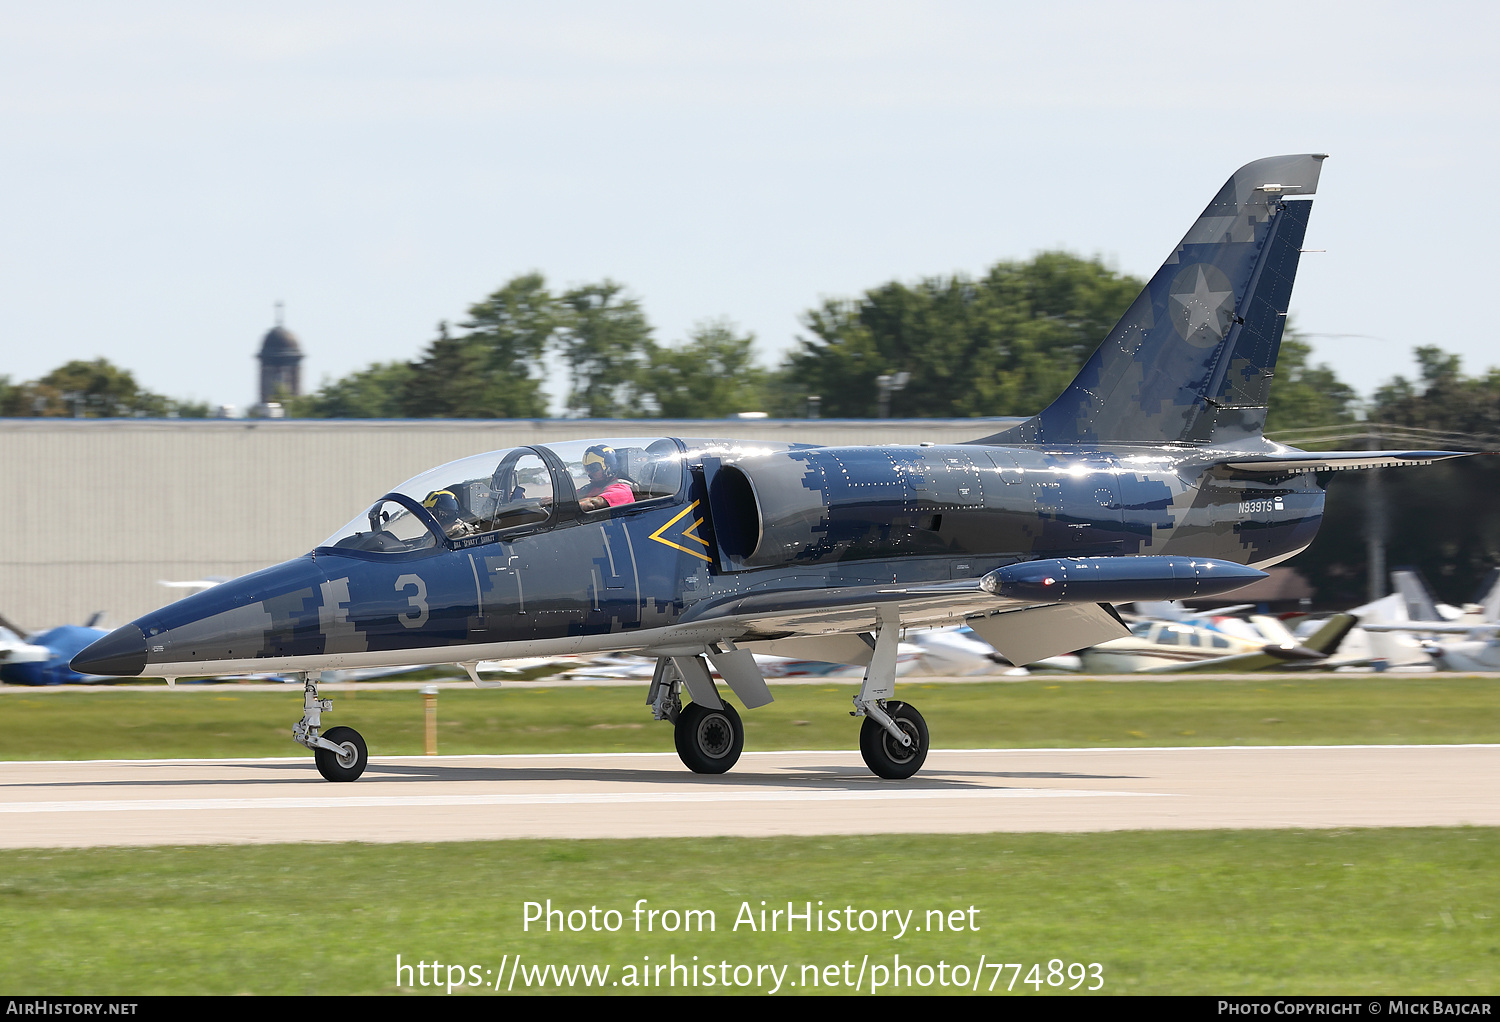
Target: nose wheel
709 741
345 763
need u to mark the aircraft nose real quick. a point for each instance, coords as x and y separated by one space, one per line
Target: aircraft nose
121 653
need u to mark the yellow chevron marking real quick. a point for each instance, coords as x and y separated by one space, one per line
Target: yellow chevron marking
688 533
692 533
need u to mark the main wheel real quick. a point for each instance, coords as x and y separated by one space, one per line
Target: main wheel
887 757
351 759
709 741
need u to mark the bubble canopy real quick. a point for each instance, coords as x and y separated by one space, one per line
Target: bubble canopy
501 492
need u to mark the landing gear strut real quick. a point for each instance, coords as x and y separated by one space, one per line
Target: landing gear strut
893 737
341 753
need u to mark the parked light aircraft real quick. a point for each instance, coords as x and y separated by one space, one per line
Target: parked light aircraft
1423 609
16 650
1157 644
1472 632
1147 479
1169 647
42 658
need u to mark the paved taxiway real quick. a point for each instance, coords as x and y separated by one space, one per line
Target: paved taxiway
452 798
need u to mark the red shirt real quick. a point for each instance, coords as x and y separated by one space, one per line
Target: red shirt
615 492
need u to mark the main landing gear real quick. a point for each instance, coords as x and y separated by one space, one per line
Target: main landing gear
886 754
340 753
709 736
707 731
893 737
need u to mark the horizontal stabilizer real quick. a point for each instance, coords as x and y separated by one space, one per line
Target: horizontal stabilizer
1478 629
1337 461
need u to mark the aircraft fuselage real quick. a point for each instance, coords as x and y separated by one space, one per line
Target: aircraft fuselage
744 519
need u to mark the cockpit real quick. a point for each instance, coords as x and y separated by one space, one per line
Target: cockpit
507 493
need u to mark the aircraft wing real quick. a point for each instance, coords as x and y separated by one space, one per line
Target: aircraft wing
1297 462
15 650
1436 627
1022 633
1235 664
1274 630
850 608
1028 611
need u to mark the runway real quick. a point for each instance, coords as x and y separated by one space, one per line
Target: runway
461 798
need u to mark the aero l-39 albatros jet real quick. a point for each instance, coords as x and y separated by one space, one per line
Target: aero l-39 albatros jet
1148 479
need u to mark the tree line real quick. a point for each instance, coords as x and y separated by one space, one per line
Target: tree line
1441 518
491 365
1003 343
91 389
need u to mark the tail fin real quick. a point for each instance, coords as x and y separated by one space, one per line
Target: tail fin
1327 638
1488 596
1192 359
1420 606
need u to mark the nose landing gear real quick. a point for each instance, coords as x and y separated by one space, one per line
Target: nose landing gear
340 754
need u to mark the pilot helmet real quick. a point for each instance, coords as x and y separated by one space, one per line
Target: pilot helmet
443 504
604 457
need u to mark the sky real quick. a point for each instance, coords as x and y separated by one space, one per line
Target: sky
172 170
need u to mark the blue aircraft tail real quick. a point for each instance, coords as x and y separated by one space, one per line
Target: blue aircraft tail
1192 359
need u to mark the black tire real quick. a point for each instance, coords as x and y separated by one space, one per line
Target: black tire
348 765
887 757
709 741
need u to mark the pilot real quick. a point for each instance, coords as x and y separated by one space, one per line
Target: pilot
444 507
607 487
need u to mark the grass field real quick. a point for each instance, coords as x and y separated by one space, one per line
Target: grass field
1234 912
223 722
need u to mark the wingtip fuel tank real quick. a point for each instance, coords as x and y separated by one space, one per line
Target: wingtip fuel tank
1118 579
